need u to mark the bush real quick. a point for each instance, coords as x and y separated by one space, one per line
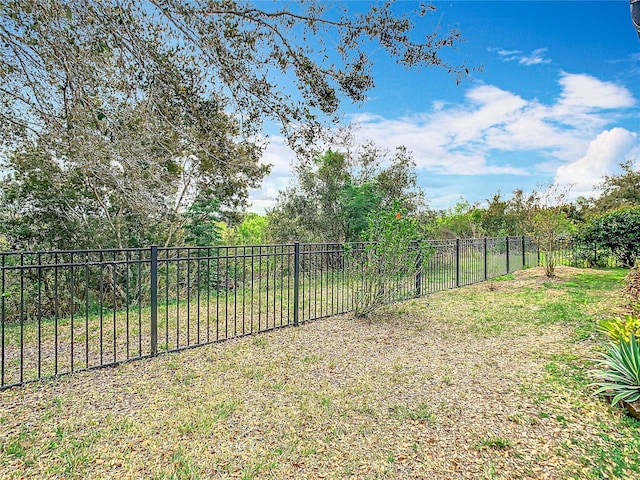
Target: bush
386 264
617 232
618 329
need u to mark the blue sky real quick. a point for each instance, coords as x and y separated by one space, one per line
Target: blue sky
556 101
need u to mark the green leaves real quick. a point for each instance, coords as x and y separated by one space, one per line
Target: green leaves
336 192
620 375
619 190
202 227
387 264
615 232
619 329
357 202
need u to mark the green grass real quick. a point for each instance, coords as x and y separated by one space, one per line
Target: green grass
495 443
613 451
421 412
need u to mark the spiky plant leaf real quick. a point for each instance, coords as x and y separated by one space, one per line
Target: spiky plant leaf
619 377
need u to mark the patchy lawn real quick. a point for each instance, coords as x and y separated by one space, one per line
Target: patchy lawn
487 381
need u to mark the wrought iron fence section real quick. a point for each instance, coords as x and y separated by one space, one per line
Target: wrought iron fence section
70 310
571 252
496 257
441 267
325 280
471 261
66 311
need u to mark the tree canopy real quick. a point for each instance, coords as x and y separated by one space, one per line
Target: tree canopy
117 115
71 58
622 190
335 193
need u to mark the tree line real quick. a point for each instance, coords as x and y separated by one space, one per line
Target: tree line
124 124
333 198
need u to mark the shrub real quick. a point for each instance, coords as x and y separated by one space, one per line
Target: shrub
616 232
386 264
618 329
620 376
548 223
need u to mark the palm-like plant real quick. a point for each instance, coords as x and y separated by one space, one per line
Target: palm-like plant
620 376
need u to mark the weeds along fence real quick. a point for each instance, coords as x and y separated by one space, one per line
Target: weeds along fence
67 311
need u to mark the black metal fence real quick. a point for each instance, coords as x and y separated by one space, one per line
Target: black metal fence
67 311
574 253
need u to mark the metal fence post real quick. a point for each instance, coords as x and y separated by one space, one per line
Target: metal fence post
508 266
524 252
154 299
486 269
457 262
418 269
296 283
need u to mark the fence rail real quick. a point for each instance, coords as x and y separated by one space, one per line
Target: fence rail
67 311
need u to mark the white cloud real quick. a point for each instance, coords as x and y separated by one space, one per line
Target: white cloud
281 158
461 139
536 57
608 149
447 149
586 92
497 132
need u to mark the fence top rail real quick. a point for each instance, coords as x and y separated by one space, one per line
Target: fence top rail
45 266
209 248
451 241
71 252
238 256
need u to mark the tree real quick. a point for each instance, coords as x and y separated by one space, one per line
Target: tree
334 194
251 231
621 190
502 217
59 58
357 202
461 221
137 162
616 232
142 107
547 222
41 206
119 192
201 225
